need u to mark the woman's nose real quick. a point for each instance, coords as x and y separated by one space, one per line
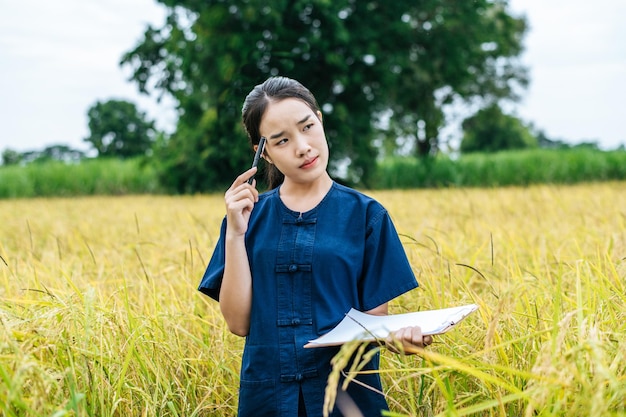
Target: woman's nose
302 147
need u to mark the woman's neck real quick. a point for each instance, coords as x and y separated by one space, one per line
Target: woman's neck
302 197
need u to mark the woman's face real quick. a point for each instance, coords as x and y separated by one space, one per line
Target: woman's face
296 143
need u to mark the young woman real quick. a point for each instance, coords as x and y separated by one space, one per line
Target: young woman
291 262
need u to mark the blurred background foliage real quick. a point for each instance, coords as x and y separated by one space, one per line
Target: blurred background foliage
363 60
384 74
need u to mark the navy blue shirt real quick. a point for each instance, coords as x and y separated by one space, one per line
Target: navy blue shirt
308 270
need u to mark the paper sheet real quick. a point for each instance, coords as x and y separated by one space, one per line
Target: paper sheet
357 325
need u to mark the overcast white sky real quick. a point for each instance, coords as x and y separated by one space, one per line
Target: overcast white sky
57 58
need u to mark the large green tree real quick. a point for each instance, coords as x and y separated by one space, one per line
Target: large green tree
491 130
118 129
360 58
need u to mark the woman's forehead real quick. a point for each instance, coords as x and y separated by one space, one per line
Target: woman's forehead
287 112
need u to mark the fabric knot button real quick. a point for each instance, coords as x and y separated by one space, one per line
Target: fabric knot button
299 377
295 321
293 268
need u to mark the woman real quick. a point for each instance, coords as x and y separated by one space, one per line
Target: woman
290 263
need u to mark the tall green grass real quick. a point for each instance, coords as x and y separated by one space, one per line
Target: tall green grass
89 177
539 166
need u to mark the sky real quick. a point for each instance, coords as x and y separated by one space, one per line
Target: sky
58 58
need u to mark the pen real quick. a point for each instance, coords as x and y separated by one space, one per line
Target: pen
257 155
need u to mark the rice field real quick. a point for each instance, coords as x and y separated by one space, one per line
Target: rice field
99 313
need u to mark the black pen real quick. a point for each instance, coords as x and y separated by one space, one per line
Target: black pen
257 156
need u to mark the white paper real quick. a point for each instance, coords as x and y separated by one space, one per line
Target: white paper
357 325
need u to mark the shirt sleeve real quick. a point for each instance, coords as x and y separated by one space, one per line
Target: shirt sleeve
387 272
212 280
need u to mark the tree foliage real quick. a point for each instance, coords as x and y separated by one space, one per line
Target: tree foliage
491 130
62 153
118 129
360 59
11 157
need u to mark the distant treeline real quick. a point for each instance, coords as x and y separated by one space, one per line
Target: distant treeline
510 168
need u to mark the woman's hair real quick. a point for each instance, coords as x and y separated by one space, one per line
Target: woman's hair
273 89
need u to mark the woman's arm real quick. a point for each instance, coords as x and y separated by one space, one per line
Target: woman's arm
236 291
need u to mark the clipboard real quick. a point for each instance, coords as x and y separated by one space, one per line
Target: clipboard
357 325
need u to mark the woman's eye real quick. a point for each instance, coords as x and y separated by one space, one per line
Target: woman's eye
307 127
280 142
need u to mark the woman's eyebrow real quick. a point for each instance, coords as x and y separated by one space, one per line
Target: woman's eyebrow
282 132
307 117
277 135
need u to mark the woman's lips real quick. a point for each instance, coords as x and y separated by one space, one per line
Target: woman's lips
309 163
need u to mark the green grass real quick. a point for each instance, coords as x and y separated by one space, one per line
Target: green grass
540 166
89 177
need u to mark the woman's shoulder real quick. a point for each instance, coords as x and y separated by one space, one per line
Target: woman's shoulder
349 200
348 193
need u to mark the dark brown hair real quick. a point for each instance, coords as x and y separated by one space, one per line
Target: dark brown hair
255 104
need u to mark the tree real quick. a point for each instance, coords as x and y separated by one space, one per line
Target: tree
456 51
490 130
11 157
360 59
118 129
545 142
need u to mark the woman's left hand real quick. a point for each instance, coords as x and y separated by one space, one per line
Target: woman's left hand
408 340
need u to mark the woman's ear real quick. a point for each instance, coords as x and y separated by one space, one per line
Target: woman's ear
319 116
264 154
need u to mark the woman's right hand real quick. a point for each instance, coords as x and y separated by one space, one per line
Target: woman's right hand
240 199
